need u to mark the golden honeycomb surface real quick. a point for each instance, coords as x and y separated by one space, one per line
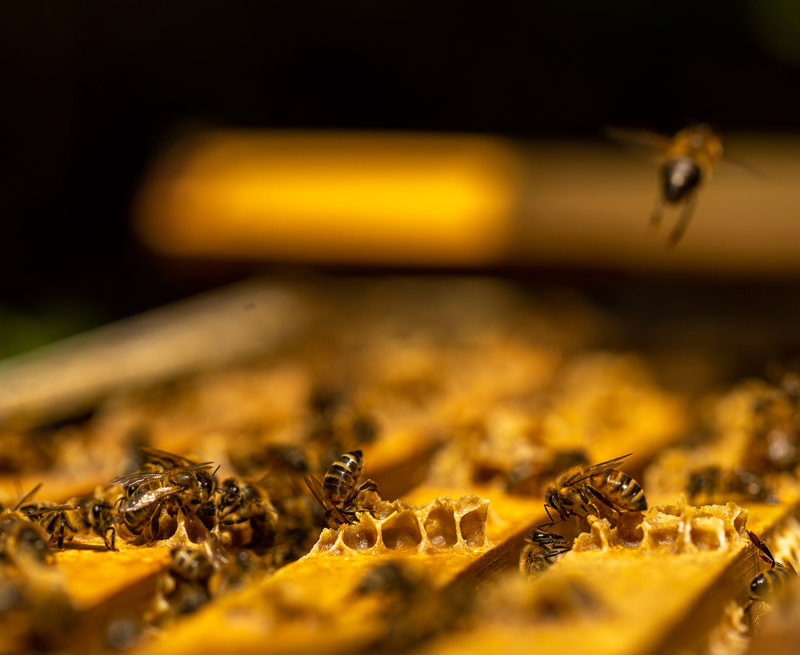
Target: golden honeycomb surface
469 401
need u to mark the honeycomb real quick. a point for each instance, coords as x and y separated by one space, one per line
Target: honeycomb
444 524
468 400
679 528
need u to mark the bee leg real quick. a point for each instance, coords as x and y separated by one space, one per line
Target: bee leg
556 552
241 519
367 485
655 216
526 568
112 546
683 222
602 499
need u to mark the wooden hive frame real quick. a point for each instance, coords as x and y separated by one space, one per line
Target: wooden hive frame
643 594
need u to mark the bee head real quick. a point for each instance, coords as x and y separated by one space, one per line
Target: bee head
207 483
100 513
561 504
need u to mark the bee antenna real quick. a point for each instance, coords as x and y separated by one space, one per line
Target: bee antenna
215 470
226 491
27 496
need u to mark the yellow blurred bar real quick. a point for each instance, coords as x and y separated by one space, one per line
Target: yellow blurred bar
346 197
464 200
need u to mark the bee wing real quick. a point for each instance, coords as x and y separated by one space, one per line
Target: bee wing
637 137
164 457
321 495
316 488
41 511
767 553
137 477
602 467
148 497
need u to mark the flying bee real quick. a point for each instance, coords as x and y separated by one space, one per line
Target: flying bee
338 492
714 480
589 489
775 579
246 514
689 159
149 492
541 549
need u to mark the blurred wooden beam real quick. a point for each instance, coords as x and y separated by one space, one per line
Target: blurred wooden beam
70 376
464 200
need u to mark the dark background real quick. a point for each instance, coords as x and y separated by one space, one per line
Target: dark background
92 90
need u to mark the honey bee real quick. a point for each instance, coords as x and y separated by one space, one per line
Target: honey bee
589 489
23 541
179 484
245 511
190 582
541 549
94 514
775 442
774 580
714 480
14 513
338 492
52 518
191 564
80 514
689 159
392 578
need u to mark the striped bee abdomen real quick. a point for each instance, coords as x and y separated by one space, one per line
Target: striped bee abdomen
771 582
622 490
342 476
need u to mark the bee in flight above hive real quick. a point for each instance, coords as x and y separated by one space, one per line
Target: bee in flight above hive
775 579
689 158
580 491
340 490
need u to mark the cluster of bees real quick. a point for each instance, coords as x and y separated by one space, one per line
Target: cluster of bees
604 490
601 489
772 448
232 528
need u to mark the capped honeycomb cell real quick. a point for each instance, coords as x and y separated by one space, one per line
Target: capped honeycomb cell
445 523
